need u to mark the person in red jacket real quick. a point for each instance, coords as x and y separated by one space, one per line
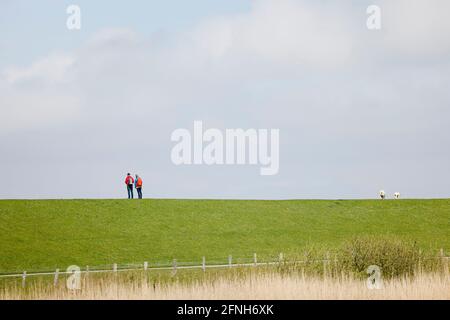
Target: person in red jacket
129 181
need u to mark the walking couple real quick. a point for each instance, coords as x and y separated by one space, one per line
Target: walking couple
137 183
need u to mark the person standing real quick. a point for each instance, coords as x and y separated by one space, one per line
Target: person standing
138 186
129 181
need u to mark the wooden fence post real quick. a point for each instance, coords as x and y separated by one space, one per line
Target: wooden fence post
230 260
55 280
24 277
174 266
115 267
204 264
280 257
255 259
145 273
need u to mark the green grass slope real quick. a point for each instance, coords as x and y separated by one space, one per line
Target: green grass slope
41 235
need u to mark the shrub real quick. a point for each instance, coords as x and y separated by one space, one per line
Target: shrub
395 257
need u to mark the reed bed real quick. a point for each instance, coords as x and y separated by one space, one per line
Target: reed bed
255 285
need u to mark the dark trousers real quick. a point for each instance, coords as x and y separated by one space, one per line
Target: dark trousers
130 191
139 191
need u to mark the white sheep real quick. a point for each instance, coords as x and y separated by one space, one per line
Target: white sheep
397 195
382 194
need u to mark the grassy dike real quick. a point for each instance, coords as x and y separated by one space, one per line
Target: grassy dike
46 234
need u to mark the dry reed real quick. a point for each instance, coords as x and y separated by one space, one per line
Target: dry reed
253 286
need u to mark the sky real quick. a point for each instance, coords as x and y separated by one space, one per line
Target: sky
358 110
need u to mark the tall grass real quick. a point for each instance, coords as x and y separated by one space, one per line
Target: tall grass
255 285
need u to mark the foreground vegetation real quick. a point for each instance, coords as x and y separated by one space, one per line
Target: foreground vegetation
238 283
45 235
266 286
405 272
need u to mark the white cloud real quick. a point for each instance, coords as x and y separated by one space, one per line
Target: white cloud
117 73
417 28
37 96
51 69
311 69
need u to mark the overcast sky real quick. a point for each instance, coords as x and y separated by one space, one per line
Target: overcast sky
358 110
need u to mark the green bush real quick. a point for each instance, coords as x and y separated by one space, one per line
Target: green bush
394 257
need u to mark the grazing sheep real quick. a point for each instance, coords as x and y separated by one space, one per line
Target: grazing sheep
382 194
397 195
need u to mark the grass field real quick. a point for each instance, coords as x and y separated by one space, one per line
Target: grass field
46 234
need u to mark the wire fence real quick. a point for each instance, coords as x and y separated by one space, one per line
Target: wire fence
175 265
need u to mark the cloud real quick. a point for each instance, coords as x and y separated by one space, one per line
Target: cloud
285 32
417 28
52 69
349 102
37 95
